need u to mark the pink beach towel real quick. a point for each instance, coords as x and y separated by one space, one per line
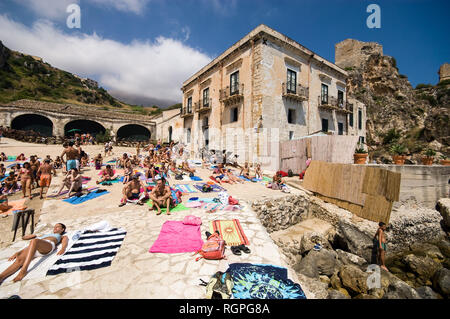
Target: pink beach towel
175 237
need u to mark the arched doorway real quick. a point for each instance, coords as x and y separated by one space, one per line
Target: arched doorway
83 126
33 122
133 132
170 134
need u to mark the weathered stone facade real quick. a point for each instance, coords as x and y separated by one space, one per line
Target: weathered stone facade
264 89
444 72
169 125
350 53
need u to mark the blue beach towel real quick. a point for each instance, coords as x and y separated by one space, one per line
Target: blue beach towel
257 281
196 179
84 198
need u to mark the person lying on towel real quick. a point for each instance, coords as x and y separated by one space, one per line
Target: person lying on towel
38 247
161 196
132 191
73 182
107 174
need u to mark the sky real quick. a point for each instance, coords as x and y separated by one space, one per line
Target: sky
142 50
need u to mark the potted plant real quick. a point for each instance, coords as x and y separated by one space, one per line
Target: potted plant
398 152
444 160
360 155
429 157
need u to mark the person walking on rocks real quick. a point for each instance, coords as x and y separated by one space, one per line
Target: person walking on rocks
380 240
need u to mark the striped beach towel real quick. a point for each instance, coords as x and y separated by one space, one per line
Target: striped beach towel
185 188
230 230
90 251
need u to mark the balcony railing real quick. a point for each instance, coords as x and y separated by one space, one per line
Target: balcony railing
332 103
232 94
203 105
185 112
296 92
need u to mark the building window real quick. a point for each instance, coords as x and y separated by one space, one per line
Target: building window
340 98
206 97
291 135
340 128
361 139
189 105
234 114
234 83
324 95
291 81
351 119
359 119
291 116
188 136
170 134
325 125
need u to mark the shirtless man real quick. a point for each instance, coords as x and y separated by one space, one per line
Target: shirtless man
34 165
45 176
132 190
161 196
245 171
72 154
128 168
98 161
380 241
73 182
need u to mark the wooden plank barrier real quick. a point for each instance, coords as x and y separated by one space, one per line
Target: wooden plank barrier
368 192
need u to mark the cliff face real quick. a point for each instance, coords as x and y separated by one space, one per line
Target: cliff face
396 112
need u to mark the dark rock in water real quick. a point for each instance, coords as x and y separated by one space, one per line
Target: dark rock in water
429 250
336 294
423 267
400 290
441 282
315 263
426 292
444 247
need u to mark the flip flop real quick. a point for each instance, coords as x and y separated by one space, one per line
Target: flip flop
236 250
244 248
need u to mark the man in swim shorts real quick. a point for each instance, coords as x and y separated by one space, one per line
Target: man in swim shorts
72 155
45 173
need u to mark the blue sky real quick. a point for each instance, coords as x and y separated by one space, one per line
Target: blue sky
415 32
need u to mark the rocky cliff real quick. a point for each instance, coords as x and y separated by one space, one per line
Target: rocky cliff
396 112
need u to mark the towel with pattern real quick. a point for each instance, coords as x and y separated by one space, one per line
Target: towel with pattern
230 230
91 251
185 188
215 187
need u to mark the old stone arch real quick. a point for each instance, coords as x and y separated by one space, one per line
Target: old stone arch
33 122
133 132
83 126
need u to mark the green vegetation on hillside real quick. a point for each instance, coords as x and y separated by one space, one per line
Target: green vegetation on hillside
24 77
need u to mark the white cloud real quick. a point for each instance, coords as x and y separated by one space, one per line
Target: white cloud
49 9
153 69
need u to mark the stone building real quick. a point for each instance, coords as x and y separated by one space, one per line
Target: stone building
444 72
169 125
265 89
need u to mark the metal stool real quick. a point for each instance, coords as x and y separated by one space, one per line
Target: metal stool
24 217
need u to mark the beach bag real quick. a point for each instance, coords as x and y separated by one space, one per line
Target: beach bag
206 188
232 201
213 248
219 286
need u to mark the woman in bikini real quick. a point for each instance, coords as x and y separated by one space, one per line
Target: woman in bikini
38 247
25 179
73 182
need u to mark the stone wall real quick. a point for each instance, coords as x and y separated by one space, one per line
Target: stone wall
351 53
421 183
444 72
